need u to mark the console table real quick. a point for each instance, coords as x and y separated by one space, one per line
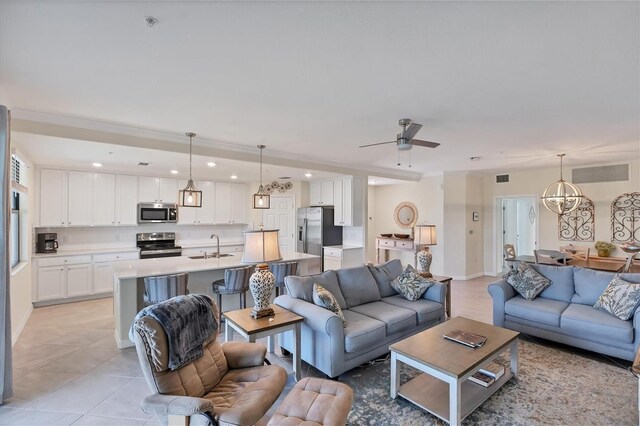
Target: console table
399 244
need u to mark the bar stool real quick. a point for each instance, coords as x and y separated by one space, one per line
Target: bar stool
235 281
158 289
281 270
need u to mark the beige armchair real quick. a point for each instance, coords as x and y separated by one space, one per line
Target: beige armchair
228 385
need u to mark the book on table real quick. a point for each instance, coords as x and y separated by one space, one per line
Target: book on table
494 370
464 337
482 379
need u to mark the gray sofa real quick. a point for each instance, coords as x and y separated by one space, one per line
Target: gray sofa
376 316
564 311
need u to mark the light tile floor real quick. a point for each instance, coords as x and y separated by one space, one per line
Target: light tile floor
68 370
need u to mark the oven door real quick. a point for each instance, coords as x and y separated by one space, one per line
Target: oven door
152 213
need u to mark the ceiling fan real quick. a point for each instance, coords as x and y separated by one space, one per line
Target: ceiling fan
405 140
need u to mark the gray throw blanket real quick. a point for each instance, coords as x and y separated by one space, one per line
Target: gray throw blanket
188 322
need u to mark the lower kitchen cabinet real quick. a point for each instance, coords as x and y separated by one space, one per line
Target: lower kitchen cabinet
79 280
51 282
338 257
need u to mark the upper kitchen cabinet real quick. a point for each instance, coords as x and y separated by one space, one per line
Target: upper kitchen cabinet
104 199
158 190
79 196
204 215
231 202
321 193
126 200
53 197
343 193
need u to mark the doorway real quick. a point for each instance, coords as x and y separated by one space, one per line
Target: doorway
517 225
282 215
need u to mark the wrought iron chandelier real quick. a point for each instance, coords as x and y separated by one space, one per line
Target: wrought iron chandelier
190 196
561 197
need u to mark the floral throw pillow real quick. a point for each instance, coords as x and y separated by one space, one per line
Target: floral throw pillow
620 298
527 281
323 298
410 284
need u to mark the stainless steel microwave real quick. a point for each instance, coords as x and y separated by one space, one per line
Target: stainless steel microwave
157 213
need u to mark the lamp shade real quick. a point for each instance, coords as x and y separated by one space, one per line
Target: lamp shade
425 235
261 246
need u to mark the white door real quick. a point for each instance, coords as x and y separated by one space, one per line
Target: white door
168 190
79 198
53 197
239 203
517 225
104 199
51 281
126 200
223 202
79 280
281 215
102 277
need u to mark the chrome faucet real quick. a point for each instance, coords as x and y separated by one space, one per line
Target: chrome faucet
217 245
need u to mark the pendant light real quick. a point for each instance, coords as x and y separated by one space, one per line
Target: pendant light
561 197
261 200
190 196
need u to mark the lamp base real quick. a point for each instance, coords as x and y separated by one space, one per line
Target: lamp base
424 260
261 283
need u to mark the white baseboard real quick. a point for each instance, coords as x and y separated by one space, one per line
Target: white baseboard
122 343
490 274
23 322
468 277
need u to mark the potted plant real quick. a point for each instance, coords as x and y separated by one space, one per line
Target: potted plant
604 249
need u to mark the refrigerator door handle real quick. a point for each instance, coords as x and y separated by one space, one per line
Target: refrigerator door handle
304 235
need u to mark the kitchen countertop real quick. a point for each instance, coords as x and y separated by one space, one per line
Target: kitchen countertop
343 247
175 265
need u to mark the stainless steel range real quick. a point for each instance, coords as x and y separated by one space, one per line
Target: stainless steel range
157 244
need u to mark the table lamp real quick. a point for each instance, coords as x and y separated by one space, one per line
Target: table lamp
424 235
261 247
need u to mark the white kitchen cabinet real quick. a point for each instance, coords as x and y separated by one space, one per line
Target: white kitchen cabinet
337 257
53 197
62 277
231 202
51 282
321 193
102 277
158 190
79 282
104 199
79 196
343 211
126 200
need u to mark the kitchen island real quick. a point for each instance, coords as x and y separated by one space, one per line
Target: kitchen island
128 282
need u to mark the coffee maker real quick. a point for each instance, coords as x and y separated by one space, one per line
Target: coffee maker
47 243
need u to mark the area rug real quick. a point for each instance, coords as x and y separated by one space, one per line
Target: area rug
557 386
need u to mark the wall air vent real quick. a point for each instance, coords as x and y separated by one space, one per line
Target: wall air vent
142 163
615 173
502 178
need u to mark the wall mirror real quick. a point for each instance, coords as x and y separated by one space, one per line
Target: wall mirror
406 214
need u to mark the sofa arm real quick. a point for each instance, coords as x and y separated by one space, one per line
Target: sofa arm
437 293
500 292
163 405
318 319
244 354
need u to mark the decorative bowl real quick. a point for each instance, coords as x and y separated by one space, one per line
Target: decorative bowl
386 235
630 247
401 235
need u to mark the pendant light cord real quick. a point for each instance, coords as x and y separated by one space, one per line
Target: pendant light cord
190 139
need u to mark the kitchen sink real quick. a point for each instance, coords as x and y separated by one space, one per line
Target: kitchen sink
211 256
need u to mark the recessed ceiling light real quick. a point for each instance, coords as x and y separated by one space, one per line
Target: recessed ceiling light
96 164
211 164
308 175
174 172
234 177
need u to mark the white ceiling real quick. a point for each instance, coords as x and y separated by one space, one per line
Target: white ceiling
513 82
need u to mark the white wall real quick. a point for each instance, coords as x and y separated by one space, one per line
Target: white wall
20 283
533 182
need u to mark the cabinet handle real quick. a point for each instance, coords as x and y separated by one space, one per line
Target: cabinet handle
63 223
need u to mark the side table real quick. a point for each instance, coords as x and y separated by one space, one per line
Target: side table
446 281
252 329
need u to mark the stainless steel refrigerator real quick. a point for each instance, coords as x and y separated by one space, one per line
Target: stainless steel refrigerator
316 229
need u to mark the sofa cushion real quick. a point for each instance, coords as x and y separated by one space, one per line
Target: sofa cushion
361 331
589 284
527 281
357 285
427 311
323 298
384 273
540 310
590 323
395 317
302 287
619 299
561 277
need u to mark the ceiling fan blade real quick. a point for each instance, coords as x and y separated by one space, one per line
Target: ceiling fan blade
424 143
411 131
373 144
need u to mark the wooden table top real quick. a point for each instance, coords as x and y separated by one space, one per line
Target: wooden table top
454 359
440 278
602 265
242 318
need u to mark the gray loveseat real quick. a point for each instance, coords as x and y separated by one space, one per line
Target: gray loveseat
564 311
376 316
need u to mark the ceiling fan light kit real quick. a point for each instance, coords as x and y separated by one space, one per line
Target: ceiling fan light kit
190 196
561 197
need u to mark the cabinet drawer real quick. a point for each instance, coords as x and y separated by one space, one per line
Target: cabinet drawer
332 251
64 260
386 243
404 244
113 257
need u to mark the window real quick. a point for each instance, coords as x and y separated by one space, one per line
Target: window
18 225
15 228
